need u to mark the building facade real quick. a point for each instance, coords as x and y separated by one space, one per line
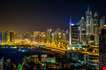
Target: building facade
102 47
90 27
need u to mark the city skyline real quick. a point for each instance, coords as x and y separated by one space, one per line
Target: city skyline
52 35
41 15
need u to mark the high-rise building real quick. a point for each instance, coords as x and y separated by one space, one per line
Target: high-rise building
89 27
12 36
75 34
4 37
96 27
82 31
102 47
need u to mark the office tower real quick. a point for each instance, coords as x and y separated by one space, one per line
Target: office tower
82 31
89 27
75 34
102 47
89 24
4 37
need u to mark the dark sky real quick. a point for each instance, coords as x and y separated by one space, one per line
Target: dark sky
28 15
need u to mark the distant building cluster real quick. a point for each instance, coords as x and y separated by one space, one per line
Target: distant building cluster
86 31
56 37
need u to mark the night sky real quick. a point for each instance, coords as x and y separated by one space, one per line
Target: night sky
28 15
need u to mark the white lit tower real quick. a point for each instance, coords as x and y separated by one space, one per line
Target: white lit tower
87 21
82 31
89 24
96 28
70 32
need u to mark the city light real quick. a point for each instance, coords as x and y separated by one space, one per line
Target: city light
57 45
104 25
68 48
73 48
72 24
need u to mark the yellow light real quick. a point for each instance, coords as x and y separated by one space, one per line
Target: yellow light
73 48
68 48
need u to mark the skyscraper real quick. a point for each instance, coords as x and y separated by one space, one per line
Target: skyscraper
70 32
90 26
75 34
102 47
82 31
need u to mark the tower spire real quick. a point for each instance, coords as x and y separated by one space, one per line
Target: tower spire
88 11
95 14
